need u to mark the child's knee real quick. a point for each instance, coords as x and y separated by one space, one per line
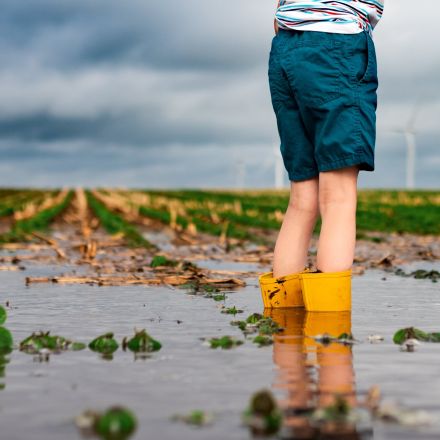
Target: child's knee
306 204
340 193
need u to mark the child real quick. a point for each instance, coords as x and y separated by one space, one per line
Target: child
323 83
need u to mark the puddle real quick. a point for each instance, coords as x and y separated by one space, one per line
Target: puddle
40 400
160 239
416 265
229 265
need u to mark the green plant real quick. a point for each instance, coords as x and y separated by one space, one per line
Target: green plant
44 340
225 342
404 334
141 342
104 344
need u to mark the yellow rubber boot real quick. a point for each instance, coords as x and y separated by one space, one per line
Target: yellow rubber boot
292 323
281 292
326 291
332 323
334 360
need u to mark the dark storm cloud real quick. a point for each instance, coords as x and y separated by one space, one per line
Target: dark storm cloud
148 90
167 35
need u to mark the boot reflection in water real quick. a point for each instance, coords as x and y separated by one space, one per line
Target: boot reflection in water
312 374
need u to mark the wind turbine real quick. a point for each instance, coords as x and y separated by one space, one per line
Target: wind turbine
409 133
410 137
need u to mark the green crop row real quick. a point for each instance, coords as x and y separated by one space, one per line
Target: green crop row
15 202
113 223
39 221
415 212
202 223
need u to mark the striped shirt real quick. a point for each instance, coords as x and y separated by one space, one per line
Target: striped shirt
337 16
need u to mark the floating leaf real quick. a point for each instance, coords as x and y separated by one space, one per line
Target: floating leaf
117 423
36 342
3 362
141 342
267 326
254 318
411 333
240 324
104 344
434 337
6 341
420 274
210 289
225 342
231 310
3 315
263 416
263 340
258 323
219 297
338 411
196 417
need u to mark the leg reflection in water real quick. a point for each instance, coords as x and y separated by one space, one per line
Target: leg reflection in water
313 375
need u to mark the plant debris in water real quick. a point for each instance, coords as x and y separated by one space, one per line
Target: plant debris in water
338 412
104 344
340 419
208 290
327 338
405 334
372 339
141 342
263 340
117 423
217 297
263 417
225 342
36 342
231 310
196 418
420 274
257 323
392 412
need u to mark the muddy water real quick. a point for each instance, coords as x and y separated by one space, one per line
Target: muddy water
40 400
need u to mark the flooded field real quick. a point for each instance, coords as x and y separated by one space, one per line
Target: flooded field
185 267
41 399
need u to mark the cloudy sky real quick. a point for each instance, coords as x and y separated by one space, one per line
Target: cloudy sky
143 93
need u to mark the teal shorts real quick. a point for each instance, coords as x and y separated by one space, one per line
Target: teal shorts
324 93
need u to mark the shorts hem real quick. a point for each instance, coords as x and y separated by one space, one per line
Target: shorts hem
299 177
364 162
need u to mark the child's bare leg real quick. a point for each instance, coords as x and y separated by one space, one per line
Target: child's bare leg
337 205
292 245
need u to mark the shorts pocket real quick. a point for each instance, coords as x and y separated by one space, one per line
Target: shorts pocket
366 67
314 73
